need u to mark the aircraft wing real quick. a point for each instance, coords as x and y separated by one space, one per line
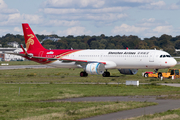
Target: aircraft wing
82 61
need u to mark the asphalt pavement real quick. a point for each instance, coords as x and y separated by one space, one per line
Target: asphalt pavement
163 105
8 67
171 84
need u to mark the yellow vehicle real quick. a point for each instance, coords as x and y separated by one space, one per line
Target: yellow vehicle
169 74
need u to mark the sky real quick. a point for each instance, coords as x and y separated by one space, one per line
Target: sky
143 18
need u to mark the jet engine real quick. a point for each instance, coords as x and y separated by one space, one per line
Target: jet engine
128 71
95 68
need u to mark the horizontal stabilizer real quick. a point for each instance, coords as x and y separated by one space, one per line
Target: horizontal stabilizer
23 55
31 56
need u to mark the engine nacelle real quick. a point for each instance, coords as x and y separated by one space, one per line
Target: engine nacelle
128 71
95 68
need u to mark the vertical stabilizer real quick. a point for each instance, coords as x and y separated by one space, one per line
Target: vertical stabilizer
31 41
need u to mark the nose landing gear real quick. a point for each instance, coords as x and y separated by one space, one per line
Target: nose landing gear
155 70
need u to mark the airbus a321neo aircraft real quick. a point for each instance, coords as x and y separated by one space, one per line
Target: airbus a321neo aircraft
95 61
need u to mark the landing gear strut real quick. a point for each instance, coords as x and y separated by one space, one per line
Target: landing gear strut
155 70
106 74
83 74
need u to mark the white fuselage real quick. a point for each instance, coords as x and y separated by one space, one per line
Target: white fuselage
120 59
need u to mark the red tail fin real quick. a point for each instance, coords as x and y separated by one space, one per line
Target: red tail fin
32 43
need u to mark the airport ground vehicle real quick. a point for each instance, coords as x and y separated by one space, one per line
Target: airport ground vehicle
169 74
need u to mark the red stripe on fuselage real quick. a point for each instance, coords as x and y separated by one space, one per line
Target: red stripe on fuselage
55 54
67 53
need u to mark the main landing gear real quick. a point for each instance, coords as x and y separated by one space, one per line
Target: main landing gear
106 74
83 74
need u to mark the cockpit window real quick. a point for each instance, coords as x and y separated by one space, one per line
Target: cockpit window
165 56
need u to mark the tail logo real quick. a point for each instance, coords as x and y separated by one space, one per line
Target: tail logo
30 41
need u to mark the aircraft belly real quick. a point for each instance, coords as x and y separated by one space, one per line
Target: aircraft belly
62 64
133 62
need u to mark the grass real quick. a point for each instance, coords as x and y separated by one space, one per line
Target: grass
65 75
27 104
59 91
43 84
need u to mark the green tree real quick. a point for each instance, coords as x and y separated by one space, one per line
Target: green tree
82 45
111 46
102 36
94 45
170 49
143 45
102 46
177 44
104 41
164 40
61 45
49 46
74 45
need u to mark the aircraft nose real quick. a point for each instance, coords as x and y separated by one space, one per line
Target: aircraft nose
172 62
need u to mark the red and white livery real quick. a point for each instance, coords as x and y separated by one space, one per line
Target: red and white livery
95 61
